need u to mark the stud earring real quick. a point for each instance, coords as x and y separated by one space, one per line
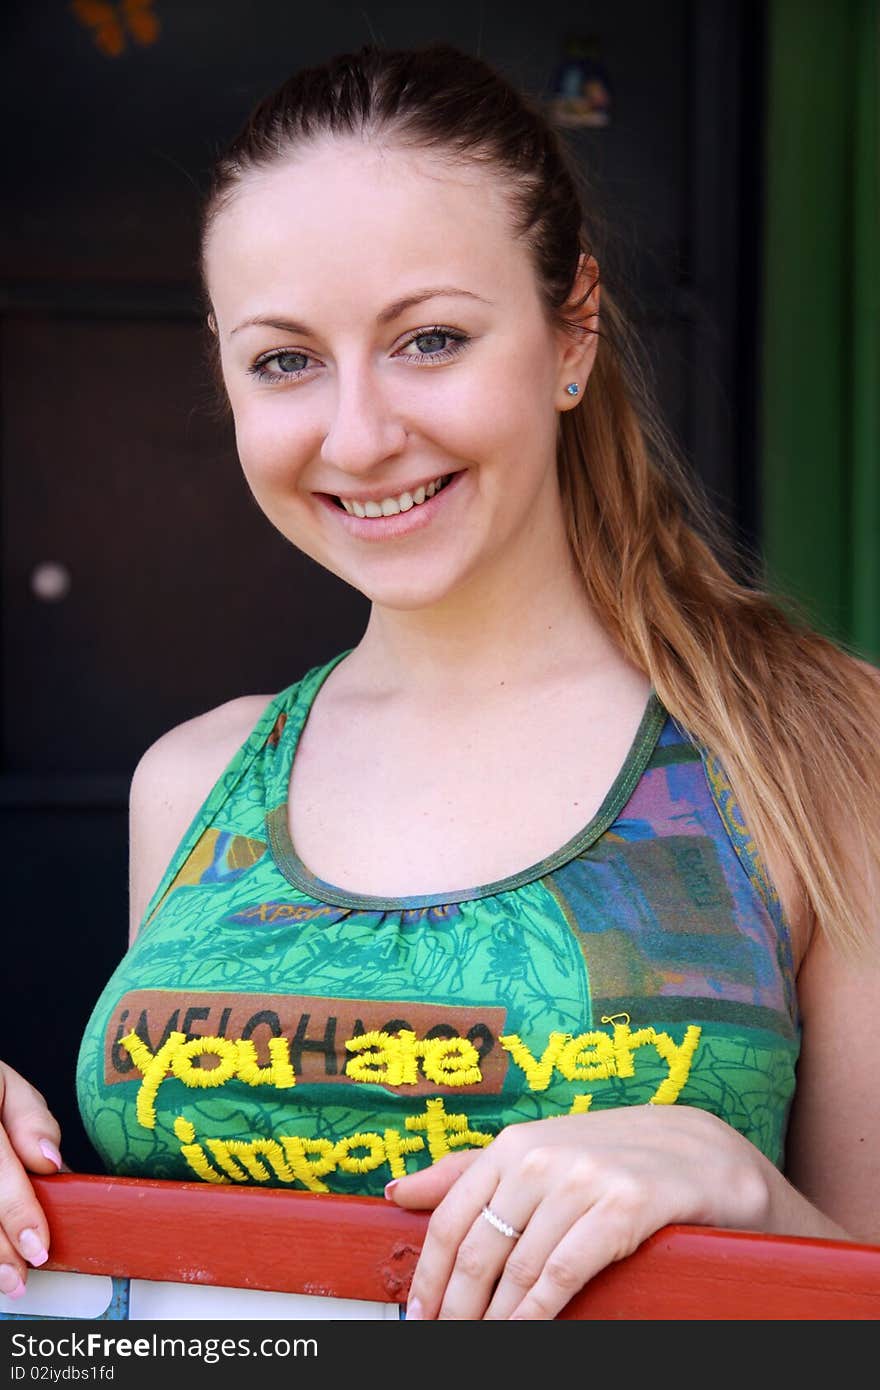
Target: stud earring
572 388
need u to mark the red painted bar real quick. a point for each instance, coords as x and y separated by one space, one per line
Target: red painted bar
363 1248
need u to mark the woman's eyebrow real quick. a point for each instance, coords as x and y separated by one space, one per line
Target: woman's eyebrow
387 315
284 325
409 301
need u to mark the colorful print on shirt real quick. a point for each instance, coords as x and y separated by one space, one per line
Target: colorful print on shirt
268 1028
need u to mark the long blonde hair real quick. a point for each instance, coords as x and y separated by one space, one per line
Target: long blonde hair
793 716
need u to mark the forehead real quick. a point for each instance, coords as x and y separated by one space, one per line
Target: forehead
364 218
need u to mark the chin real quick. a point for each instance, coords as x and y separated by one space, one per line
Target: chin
407 593
410 599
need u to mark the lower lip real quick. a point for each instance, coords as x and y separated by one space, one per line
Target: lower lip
387 528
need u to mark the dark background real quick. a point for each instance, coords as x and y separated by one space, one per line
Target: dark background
118 468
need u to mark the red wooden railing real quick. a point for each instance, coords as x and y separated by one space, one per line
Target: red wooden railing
363 1248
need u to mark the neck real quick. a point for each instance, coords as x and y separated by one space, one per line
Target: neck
480 638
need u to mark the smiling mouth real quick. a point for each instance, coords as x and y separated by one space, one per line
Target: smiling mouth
392 506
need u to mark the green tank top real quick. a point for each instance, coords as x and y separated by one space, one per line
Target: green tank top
268 1028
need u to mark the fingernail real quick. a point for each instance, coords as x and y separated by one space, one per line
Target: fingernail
49 1151
414 1310
32 1247
389 1189
10 1282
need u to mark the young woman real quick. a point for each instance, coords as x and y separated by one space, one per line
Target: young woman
550 906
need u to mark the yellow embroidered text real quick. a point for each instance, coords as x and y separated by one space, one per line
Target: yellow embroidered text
393 1059
178 1056
596 1056
290 1159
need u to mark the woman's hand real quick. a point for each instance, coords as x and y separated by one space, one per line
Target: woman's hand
584 1191
29 1138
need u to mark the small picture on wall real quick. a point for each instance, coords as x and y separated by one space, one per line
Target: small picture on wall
580 90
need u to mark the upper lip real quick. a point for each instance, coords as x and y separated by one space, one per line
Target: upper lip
379 494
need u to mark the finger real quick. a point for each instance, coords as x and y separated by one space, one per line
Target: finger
13 1270
21 1217
449 1226
32 1129
527 1257
22 1223
482 1256
11 1283
598 1239
425 1190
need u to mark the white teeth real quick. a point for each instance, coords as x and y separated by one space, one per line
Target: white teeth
390 506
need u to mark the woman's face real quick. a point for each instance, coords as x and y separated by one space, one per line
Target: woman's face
385 350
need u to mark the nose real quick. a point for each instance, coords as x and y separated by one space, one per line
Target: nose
364 429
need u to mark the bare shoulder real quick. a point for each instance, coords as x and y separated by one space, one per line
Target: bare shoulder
169 784
781 870
183 764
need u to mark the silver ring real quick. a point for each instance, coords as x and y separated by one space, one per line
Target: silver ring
500 1224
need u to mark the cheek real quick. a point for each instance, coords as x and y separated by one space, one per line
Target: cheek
518 392
509 403
271 445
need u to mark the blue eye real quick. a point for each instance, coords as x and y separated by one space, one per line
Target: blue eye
434 345
292 361
430 342
288 364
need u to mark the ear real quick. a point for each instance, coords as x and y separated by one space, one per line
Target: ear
579 338
212 323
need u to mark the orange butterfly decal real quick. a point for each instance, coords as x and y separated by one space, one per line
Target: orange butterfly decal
110 23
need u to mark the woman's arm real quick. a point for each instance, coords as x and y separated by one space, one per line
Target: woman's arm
833 1150
832 1155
